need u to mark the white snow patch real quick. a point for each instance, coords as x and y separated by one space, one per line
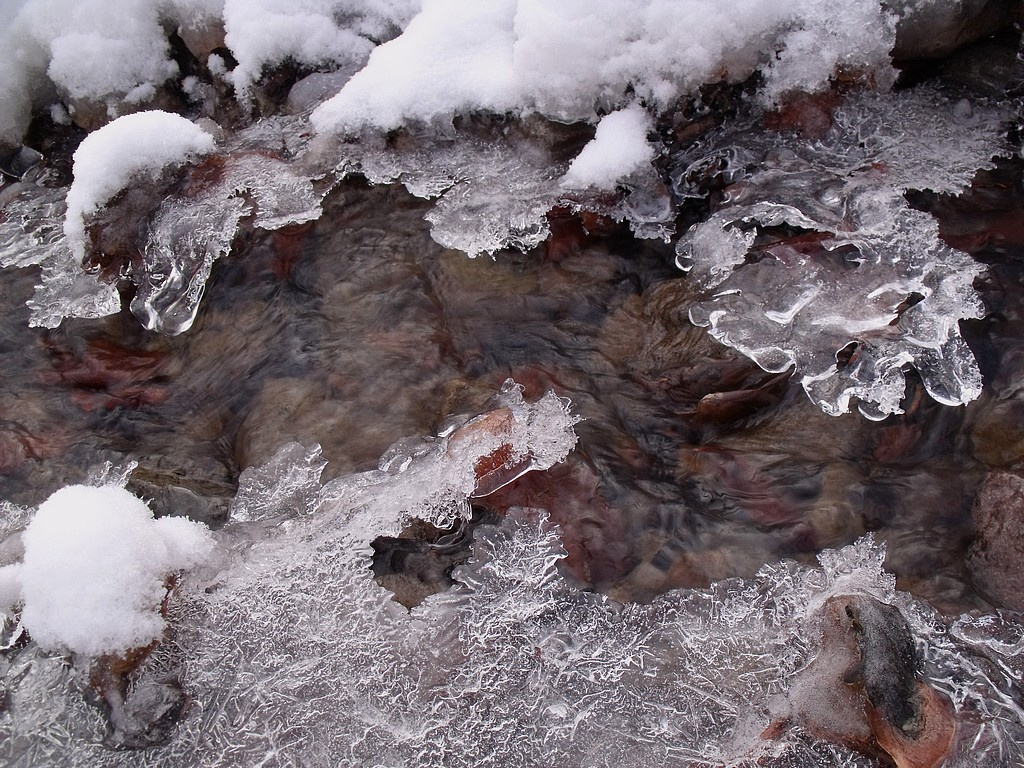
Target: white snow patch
94 570
619 148
330 33
576 59
109 159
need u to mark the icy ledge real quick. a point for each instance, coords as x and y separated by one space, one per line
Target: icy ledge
868 288
293 653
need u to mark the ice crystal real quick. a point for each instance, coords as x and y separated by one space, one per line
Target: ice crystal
877 277
293 654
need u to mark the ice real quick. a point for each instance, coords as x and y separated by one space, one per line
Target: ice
495 181
190 231
31 233
287 484
293 653
877 276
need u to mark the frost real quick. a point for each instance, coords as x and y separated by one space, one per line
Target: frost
877 277
294 653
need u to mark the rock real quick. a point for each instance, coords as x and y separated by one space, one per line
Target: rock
863 691
997 556
938 29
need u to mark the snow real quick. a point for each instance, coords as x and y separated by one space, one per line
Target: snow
577 59
261 33
95 569
92 53
108 160
619 148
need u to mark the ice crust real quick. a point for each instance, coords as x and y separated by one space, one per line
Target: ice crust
798 308
293 654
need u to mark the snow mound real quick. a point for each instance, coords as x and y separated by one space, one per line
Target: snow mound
335 33
95 570
577 59
619 148
109 159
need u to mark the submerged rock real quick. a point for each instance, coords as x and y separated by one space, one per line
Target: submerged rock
997 556
863 689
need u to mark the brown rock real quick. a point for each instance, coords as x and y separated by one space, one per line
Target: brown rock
997 555
862 690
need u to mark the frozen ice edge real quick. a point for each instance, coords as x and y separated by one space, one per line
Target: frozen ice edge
293 653
796 310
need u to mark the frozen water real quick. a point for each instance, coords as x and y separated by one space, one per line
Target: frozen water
292 653
620 147
31 233
495 188
880 279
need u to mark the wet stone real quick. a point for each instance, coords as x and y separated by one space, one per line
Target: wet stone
997 555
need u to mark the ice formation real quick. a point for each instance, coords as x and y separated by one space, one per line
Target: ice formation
294 654
876 275
617 64
132 148
32 233
95 568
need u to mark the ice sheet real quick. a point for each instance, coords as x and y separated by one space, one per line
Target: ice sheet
876 276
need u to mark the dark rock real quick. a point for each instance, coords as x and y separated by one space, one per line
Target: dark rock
939 29
863 691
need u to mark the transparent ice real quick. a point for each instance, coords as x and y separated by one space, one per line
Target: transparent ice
881 278
293 655
495 191
185 234
31 233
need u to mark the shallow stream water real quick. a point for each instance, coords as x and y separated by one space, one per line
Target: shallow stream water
693 464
